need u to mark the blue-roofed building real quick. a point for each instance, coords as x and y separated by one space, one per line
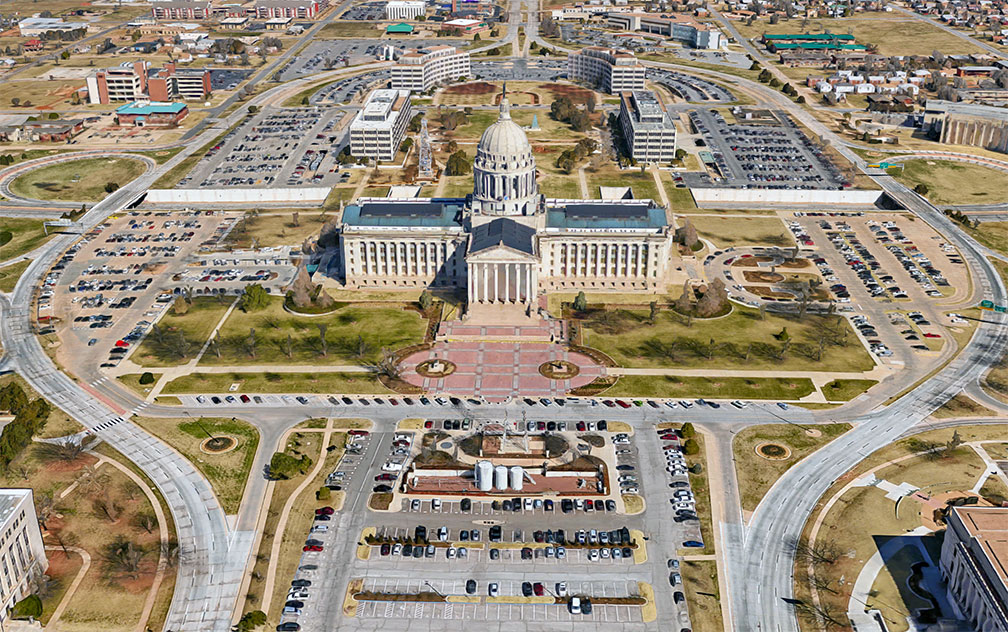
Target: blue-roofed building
505 243
151 113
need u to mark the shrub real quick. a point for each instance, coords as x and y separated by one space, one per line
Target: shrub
111 187
921 189
687 430
30 606
251 620
253 298
323 493
690 446
284 465
5 237
147 378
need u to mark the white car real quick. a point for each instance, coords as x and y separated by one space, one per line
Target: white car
574 605
561 589
450 553
493 589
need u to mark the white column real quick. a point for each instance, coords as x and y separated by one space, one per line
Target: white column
496 283
469 285
507 283
485 288
529 292
640 260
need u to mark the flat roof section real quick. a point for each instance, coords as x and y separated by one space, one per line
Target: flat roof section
444 213
989 525
603 215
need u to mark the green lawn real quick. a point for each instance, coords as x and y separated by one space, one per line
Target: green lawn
672 342
676 386
379 327
566 187
742 231
354 29
700 585
25 235
994 235
9 275
277 228
757 474
642 184
680 199
252 383
951 182
227 472
845 390
81 180
193 328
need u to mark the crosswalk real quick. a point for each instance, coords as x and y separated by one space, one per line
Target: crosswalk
105 425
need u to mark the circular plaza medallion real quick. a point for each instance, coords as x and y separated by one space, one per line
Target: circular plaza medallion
558 370
435 368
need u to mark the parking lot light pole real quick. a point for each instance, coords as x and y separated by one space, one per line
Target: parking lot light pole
431 586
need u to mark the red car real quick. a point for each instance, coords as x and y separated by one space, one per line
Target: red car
358 433
312 547
669 437
932 335
325 511
393 401
622 404
581 426
537 588
428 424
385 477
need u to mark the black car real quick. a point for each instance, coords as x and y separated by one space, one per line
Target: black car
465 505
471 587
506 505
495 505
407 550
418 552
382 488
678 597
420 532
548 505
323 517
599 505
603 426
627 553
586 606
495 533
294 603
526 589
625 467
494 554
610 505
566 505
301 583
526 554
290 626
386 549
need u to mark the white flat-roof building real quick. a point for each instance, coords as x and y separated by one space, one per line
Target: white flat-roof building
648 129
405 9
682 29
31 27
379 127
22 553
424 68
610 70
974 558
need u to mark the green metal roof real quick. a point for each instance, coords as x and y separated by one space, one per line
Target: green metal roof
402 27
807 36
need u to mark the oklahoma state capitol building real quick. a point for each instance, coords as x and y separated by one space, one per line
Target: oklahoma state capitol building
506 242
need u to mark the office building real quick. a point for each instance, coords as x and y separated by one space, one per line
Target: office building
379 127
679 28
648 129
609 70
127 82
424 68
22 553
974 562
151 114
405 9
185 10
294 9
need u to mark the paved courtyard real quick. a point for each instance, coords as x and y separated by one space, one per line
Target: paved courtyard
496 362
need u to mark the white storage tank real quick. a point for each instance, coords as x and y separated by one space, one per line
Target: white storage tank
517 476
501 477
484 476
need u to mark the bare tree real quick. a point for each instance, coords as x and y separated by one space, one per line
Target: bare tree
322 328
67 450
107 506
146 521
91 480
158 334
252 343
122 558
45 507
824 614
388 366
818 553
215 345
362 348
289 347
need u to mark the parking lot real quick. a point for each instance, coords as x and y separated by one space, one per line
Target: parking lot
689 87
365 12
227 78
488 564
351 88
105 292
519 70
276 148
770 152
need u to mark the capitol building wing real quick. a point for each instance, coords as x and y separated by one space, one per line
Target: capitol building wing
506 243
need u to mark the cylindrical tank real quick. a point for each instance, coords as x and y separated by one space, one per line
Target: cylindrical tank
484 476
517 476
501 477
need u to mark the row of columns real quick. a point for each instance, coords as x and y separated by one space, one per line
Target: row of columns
600 260
403 258
493 282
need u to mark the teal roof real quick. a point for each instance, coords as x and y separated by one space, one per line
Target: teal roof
402 27
815 46
808 36
602 214
430 213
154 107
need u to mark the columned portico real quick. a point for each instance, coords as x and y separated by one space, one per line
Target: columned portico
502 282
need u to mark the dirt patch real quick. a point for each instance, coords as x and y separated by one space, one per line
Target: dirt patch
773 451
767 292
524 98
761 276
476 87
576 94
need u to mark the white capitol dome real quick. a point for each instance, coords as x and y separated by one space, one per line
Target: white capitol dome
504 169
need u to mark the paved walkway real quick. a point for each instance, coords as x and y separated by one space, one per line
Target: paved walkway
72 589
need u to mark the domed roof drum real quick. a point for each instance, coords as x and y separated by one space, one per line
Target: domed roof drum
504 169
504 144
